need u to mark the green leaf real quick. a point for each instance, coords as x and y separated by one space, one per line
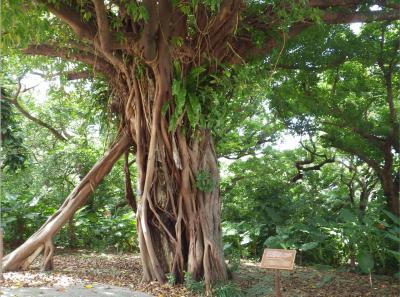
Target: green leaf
34 201
144 14
365 261
276 218
177 41
194 110
164 108
395 219
396 254
309 246
347 215
273 242
8 220
229 231
195 73
205 181
394 237
327 279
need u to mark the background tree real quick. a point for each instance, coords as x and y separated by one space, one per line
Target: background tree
347 97
332 216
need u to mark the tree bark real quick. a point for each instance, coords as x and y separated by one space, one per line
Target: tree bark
178 224
42 239
72 242
391 192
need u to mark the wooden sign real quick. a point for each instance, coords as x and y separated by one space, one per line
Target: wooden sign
278 259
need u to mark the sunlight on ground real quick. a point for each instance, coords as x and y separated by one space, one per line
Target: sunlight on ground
34 278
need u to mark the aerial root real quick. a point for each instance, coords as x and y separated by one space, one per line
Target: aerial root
48 262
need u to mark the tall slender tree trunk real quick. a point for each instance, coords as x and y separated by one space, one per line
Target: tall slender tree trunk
391 192
72 241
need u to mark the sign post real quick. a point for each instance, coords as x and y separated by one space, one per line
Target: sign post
278 259
1 254
277 283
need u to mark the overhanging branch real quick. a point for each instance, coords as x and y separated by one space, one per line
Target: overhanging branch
75 55
23 111
243 46
360 17
72 18
70 75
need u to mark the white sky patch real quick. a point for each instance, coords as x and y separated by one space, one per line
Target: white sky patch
224 167
356 28
375 8
38 87
287 142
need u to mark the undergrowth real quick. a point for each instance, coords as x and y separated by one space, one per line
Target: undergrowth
222 289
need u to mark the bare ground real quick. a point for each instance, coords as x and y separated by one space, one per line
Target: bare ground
91 269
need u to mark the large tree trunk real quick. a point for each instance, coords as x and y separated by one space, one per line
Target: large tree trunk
178 222
179 225
23 256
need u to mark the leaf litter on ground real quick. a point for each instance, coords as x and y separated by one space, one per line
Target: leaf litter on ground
123 270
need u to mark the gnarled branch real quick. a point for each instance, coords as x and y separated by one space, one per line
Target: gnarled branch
72 18
23 111
300 165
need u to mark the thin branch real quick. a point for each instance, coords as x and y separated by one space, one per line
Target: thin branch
351 150
389 4
70 75
387 79
325 66
300 165
378 141
50 50
37 121
350 3
261 140
245 47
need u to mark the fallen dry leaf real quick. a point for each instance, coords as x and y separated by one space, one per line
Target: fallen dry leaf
87 269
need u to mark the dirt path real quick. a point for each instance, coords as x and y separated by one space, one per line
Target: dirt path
89 270
72 291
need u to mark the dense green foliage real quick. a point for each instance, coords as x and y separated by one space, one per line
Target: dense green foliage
263 207
330 87
326 85
52 168
12 150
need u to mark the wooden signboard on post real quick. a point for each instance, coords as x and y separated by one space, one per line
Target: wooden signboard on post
278 259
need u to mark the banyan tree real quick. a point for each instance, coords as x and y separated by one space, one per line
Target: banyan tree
162 60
